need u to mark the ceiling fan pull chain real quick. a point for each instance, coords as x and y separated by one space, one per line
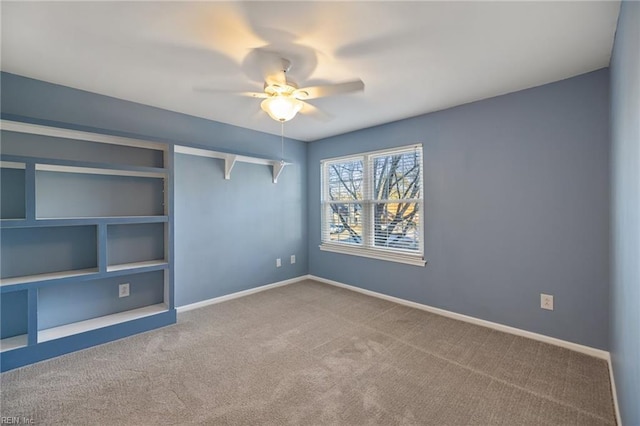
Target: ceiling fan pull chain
282 140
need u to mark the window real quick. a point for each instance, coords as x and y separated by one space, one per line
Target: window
372 205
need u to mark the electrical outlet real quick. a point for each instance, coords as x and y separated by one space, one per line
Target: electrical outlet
293 259
546 301
123 290
278 263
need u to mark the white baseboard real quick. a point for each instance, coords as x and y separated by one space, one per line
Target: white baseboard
614 394
598 353
243 293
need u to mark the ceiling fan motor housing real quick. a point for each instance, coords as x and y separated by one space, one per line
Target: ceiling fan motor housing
275 89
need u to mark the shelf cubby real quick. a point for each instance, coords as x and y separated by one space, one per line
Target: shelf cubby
99 322
61 148
135 245
12 190
62 194
96 303
13 320
35 254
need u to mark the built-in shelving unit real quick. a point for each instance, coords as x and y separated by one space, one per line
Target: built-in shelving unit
81 213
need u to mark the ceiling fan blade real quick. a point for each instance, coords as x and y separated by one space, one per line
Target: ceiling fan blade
317 113
254 94
313 92
230 92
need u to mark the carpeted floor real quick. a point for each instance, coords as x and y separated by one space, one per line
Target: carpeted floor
307 354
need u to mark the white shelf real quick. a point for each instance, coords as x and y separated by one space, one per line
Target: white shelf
100 322
45 277
115 219
12 165
231 159
13 342
80 220
98 171
56 132
13 220
136 265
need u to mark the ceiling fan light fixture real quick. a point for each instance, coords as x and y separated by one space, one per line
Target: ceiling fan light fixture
281 108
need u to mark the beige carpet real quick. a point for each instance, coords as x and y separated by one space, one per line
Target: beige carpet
310 353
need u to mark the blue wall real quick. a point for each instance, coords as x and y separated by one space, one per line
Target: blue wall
230 232
625 160
263 220
516 204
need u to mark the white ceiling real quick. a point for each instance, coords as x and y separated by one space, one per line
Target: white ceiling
413 57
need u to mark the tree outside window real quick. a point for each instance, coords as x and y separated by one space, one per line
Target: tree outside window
374 201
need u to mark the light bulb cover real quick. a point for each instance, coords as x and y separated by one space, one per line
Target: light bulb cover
281 108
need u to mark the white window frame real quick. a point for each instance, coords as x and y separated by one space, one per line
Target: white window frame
367 247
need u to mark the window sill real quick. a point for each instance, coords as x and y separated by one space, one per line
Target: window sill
409 259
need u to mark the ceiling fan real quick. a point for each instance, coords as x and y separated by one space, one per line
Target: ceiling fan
283 99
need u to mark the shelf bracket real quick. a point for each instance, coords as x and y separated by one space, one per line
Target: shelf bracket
278 166
229 162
